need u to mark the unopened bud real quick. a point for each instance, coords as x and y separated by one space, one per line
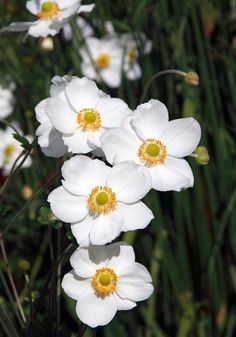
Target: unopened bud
24 265
46 43
192 78
52 217
27 192
202 155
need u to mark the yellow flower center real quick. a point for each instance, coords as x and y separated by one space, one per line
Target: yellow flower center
89 119
9 150
102 199
48 10
152 151
131 55
103 60
104 281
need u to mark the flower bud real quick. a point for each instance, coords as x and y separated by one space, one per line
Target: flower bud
192 78
46 43
24 265
202 156
27 192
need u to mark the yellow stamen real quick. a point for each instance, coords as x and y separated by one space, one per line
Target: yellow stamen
102 199
89 119
152 151
104 281
9 150
48 10
131 55
103 60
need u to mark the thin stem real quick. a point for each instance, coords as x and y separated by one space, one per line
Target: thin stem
11 280
155 76
3 121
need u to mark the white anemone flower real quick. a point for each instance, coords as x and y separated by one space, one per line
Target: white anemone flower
99 201
159 145
105 279
86 30
6 101
85 114
51 16
50 139
106 63
10 149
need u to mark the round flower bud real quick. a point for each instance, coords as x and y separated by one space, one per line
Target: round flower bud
46 43
24 265
27 192
192 78
202 156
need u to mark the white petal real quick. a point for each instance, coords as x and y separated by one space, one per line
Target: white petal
95 310
134 283
119 145
66 13
86 8
77 142
150 119
174 175
81 229
67 207
112 76
33 6
42 28
82 263
120 255
82 174
106 228
73 285
181 137
82 93
18 27
130 182
124 304
113 111
61 115
137 215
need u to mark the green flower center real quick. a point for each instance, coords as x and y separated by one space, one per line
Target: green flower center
47 7
90 117
105 280
153 150
102 198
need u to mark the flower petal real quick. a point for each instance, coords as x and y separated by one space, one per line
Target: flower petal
73 285
120 255
113 111
95 310
81 229
82 93
86 8
77 142
130 182
82 174
124 304
119 145
134 283
106 228
150 119
174 175
137 215
82 262
181 137
61 116
67 207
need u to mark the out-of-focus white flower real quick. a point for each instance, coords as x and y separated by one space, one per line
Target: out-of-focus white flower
6 100
159 145
50 139
132 44
51 16
10 149
106 55
105 279
99 201
86 29
83 114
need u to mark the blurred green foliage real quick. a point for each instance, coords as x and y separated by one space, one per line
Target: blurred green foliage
190 247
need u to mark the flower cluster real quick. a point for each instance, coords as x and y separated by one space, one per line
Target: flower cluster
143 150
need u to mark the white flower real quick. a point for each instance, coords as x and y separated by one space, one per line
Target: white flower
107 57
84 114
10 149
131 44
51 16
86 29
50 139
6 101
105 279
99 201
151 140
